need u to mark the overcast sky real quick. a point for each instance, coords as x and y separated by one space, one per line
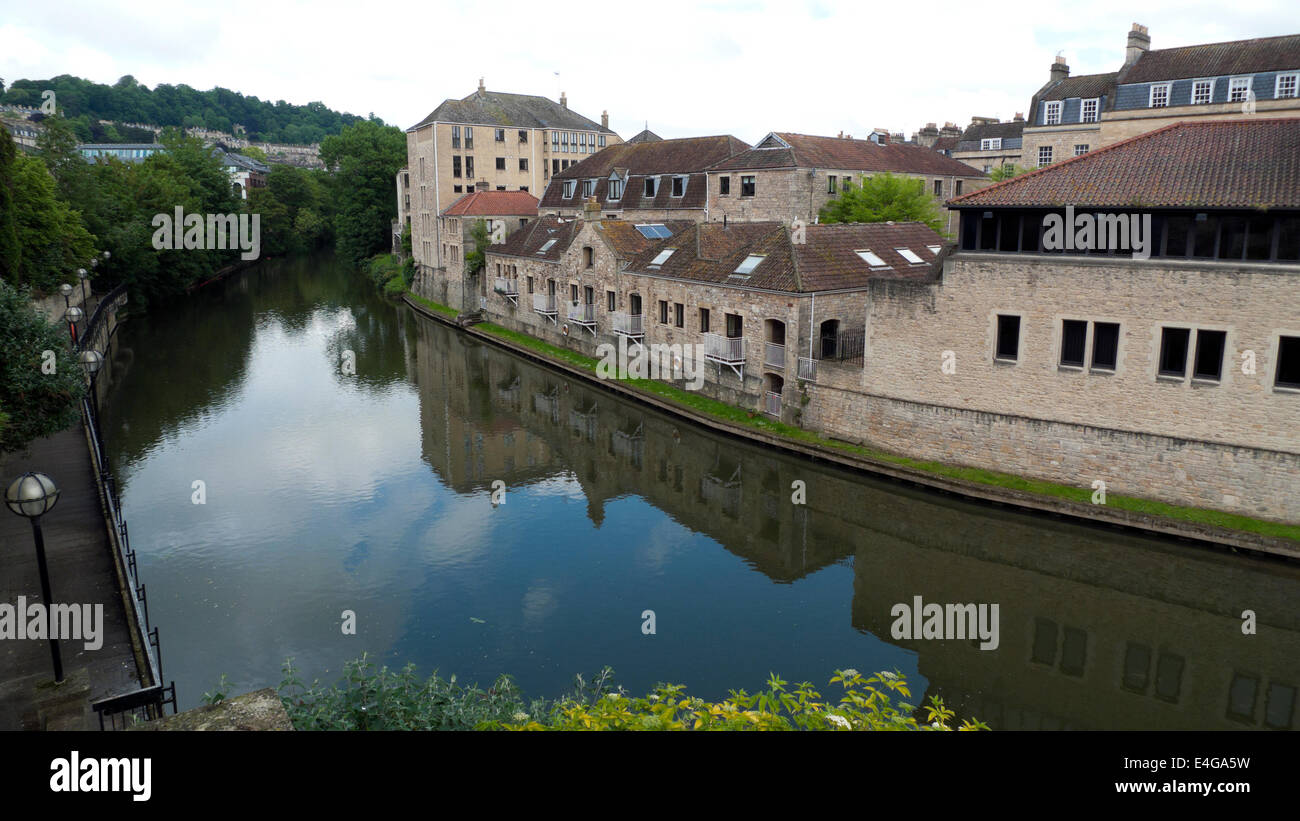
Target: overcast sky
742 68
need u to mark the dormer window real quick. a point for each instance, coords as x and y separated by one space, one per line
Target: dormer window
1052 115
569 186
1239 89
991 144
1202 92
747 267
661 257
679 186
614 190
1159 95
1088 110
871 259
651 186
1288 85
588 188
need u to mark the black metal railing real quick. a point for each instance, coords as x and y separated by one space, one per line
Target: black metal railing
845 346
110 302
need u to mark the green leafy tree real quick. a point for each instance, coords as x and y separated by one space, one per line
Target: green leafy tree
33 401
1006 172
365 158
51 236
11 251
884 198
476 259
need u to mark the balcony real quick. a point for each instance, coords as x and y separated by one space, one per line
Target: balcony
726 350
508 289
772 404
773 355
544 304
629 325
583 314
807 369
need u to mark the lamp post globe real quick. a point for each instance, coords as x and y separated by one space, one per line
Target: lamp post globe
83 275
92 361
66 290
73 316
31 496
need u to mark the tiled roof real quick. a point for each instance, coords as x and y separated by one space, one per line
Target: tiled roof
646 136
1217 59
1244 163
493 203
528 240
945 144
636 161
626 241
806 151
1086 86
497 108
987 131
827 261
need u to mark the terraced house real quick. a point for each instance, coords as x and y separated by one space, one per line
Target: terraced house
490 141
1175 377
502 213
646 178
1153 88
788 176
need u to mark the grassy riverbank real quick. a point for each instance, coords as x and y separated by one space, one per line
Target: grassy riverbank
755 420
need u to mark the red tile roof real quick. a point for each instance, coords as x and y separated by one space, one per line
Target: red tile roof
493 204
1243 163
806 151
826 261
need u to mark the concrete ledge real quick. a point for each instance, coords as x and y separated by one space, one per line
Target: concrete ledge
1094 514
259 710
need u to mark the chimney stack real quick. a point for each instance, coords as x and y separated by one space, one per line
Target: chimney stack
564 101
481 88
1019 118
591 210
604 119
1139 40
1059 70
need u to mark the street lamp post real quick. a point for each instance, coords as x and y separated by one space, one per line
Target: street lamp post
92 360
83 275
33 495
66 290
73 316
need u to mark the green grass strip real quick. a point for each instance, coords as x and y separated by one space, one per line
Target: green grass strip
433 306
758 421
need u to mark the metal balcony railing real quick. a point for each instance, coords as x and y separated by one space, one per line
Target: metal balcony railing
506 286
544 304
808 369
772 404
773 355
629 324
582 313
729 350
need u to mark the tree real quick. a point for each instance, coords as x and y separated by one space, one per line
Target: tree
476 259
33 401
52 238
884 198
365 158
1006 172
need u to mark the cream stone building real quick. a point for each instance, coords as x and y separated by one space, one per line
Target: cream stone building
490 141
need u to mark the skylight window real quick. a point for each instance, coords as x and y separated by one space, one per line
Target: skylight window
909 255
751 262
546 247
934 249
654 231
871 259
662 256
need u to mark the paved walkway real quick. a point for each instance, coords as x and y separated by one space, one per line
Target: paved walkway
82 570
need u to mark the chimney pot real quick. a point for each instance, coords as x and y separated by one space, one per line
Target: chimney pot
564 100
1059 70
604 119
481 88
1139 40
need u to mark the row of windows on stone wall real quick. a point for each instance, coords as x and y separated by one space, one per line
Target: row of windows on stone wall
650 187
1208 235
1046 154
1093 346
561 141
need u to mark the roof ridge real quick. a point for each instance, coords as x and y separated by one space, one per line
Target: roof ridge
1223 43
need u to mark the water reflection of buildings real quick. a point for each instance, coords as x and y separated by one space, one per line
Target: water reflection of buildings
1098 628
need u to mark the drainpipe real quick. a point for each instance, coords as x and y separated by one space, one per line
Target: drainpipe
812 316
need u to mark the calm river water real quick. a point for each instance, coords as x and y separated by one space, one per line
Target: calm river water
372 493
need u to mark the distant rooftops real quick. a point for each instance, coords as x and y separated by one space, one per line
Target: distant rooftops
1216 59
646 136
501 109
788 150
1245 163
493 204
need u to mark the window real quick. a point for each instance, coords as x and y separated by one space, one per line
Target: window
661 257
1209 354
1239 89
469 166
588 188
1052 115
564 142
569 186
991 144
555 141
1088 110
523 136
555 166
654 230
747 186
724 186
704 321
523 164
909 255
830 184
614 191
663 312
573 293
1173 351
679 186
1159 95
1080 149
456 189
1074 335
546 246
588 256
1202 91
1044 155
1287 85
501 162
1105 345
956 189
1008 342
1288 363
844 184
455 143
469 138
582 141
938 188
871 259
611 302
564 164
601 140
679 315
651 186
455 166
530 285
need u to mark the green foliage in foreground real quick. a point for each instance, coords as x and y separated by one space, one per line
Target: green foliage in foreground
384 699
34 403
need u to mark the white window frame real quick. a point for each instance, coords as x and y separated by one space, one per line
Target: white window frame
1052 112
1295 85
569 187
1096 110
588 188
991 144
1079 153
614 190
661 257
868 256
1234 86
685 179
1049 151
1209 97
1151 96
911 256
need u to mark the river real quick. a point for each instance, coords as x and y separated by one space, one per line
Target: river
324 492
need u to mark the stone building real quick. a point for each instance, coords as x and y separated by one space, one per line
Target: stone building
1174 377
645 179
1070 116
491 140
503 213
988 144
788 176
931 136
